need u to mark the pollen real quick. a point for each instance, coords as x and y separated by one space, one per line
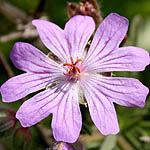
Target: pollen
73 68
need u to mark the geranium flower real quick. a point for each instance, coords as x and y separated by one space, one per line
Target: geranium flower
79 74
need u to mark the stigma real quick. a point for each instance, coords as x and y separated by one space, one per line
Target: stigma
73 69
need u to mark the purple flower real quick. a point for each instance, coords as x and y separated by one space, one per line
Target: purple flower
78 76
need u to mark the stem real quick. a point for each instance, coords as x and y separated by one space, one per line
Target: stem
6 65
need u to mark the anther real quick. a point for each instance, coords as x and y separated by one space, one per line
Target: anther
71 60
79 60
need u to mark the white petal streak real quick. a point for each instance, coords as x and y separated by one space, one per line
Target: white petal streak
20 86
28 58
123 91
122 59
77 32
63 103
67 120
107 37
37 108
101 109
53 37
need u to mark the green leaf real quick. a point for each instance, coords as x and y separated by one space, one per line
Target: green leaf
109 142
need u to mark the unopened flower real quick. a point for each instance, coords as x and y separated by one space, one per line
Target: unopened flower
87 8
79 74
22 138
8 119
67 146
60 146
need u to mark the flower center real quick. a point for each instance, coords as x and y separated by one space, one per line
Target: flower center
73 68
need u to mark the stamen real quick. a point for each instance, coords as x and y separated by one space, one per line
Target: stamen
67 64
71 60
79 60
78 69
73 69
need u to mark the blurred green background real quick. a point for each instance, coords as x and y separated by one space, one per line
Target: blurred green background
134 122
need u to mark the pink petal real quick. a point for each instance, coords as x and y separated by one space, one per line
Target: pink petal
37 108
20 86
63 103
102 110
66 147
121 59
123 91
77 32
67 120
108 36
53 38
30 59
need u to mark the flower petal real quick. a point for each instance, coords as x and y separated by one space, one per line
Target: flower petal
63 103
67 120
123 91
122 59
66 147
108 36
102 110
30 59
77 32
37 108
53 38
20 86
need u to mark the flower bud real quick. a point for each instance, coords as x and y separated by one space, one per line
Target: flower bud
7 119
22 138
87 8
67 146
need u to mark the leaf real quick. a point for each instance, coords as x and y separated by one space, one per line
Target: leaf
109 142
